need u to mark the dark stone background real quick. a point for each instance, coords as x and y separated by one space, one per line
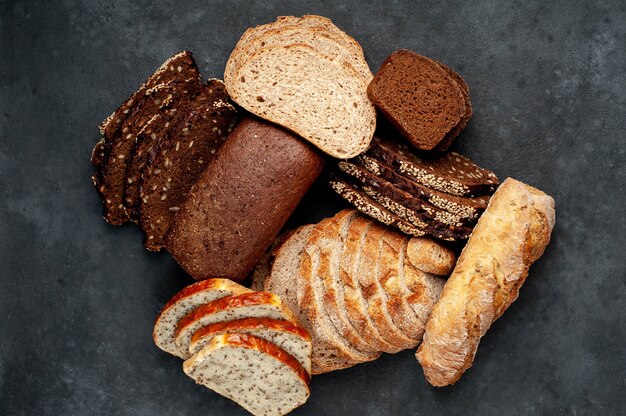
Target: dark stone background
78 297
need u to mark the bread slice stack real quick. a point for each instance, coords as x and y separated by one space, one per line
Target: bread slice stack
440 195
242 344
308 76
357 287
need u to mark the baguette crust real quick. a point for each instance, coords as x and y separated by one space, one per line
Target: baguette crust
512 234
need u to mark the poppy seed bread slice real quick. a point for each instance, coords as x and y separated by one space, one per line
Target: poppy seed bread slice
185 301
321 100
258 375
284 334
418 97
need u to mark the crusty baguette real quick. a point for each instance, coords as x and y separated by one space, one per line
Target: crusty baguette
259 376
511 234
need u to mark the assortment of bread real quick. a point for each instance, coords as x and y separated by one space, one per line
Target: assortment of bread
212 171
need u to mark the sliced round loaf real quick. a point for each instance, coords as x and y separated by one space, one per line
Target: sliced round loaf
246 305
186 301
256 374
284 334
299 88
430 256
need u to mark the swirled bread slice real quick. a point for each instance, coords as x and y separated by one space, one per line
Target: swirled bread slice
246 305
284 334
321 100
185 301
259 376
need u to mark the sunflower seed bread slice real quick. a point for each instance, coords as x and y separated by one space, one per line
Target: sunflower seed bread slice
296 86
259 376
284 334
185 301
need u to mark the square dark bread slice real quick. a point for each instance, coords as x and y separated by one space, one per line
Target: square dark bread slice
118 149
182 102
181 156
419 97
456 130
449 173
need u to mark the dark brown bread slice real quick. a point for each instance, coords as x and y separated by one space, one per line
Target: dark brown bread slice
183 100
258 177
118 150
418 97
468 208
450 172
179 160
456 130
424 209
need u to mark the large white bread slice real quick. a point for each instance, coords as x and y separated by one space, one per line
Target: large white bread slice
247 305
284 334
186 301
256 374
297 86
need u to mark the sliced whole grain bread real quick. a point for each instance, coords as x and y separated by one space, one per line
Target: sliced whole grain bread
258 375
456 130
430 256
246 305
177 162
418 97
321 100
354 302
450 172
284 334
331 243
185 301
468 208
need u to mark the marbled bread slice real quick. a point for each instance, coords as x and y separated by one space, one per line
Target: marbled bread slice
258 375
418 97
450 172
467 208
185 301
246 305
179 159
284 334
299 88
354 302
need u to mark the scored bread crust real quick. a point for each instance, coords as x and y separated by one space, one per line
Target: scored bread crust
185 301
331 243
256 374
289 85
512 234
246 305
354 302
284 334
430 256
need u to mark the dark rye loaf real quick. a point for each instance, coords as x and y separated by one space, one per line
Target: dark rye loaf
183 101
418 97
118 150
242 200
450 172
179 159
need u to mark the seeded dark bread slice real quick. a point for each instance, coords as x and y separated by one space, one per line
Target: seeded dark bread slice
246 305
297 87
354 302
423 209
369 207
331 245
185 301
467 208
181 156
258 375
284 334
182 101
456 130
418 97
450 172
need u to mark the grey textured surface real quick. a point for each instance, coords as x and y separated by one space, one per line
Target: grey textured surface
78 297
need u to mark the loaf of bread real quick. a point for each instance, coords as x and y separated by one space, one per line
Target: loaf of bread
510 235
242 200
